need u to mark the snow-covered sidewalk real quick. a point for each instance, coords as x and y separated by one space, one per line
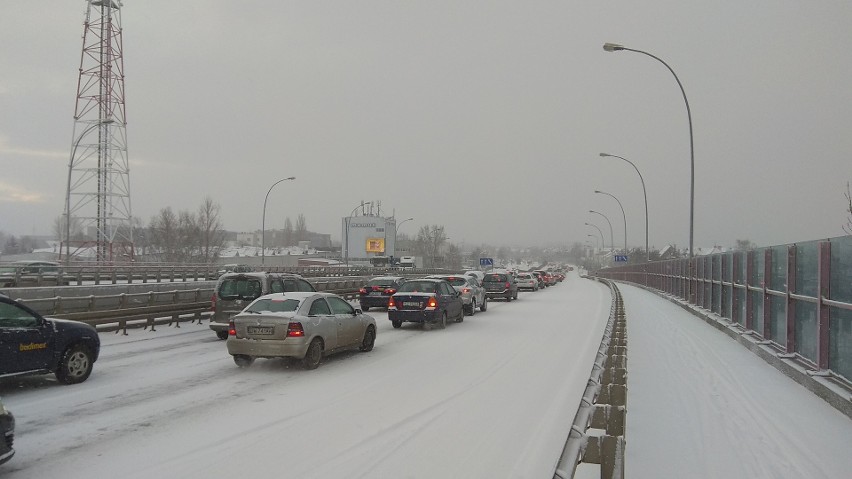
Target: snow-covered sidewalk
700 405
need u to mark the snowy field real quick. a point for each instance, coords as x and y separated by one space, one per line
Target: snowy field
492 397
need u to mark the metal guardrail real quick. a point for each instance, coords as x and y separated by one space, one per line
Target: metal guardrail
120 311
797 297
603 406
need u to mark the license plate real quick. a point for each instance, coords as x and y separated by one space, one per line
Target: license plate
412 304
260 329
376 293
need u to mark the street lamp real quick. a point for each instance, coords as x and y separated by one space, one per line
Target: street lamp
614 47
644 193
622 214
611 244
348 218
603 245
396 230
263 224
91 127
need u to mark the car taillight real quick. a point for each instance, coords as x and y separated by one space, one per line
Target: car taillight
390 291
433 303
295 330
213 302
363 290
232 330
465 290
391 304
508 286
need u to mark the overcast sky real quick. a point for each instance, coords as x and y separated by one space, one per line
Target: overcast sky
486 117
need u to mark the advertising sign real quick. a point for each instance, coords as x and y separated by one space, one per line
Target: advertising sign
375 245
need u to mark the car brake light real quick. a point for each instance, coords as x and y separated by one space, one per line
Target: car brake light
465 290
232 330
390 291
508 286
363 290
391 304
433 303
295 330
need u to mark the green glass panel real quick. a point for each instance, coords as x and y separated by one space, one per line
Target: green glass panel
806 330
807 268
757 311
840 338
841 269
778 319
778 282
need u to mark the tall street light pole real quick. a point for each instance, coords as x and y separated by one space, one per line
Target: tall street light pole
611 243
603 245
396 230
644 193
614 47
263 222
622 214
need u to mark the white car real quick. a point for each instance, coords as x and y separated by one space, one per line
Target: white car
476 274
527 281
302 325
472 293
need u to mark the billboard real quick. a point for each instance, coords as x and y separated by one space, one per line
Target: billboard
375 245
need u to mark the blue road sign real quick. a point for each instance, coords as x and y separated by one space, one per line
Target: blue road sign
486 261
621 258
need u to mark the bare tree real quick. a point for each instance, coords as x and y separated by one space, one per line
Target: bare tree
164 235
744 245
301 228
211 233
429 241
848 226
76 229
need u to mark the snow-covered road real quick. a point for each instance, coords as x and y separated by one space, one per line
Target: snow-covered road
493 396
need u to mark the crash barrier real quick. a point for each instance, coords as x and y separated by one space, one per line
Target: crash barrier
596 442
794 299
120 311
76 275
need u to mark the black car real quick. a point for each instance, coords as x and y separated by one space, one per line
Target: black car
33 344
7 434
378 291
425 301
500 285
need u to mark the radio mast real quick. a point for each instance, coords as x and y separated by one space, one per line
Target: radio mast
97 218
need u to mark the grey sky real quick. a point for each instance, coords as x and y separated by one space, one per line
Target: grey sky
484 116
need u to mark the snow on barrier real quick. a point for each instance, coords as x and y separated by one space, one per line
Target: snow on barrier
597 439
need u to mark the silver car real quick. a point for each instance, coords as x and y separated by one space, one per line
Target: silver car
302 325
472 293
527 281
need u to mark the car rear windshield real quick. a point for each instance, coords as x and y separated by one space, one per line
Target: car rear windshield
274 305
417 287
240 288
380 282
495 278
523 276
456 281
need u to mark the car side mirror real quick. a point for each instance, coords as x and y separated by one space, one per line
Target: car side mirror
358 311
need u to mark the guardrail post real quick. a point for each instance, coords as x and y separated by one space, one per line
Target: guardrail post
749 298
823 318
767 307
790 346
122 301
91 302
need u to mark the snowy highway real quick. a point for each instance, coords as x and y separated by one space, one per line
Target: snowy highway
493 396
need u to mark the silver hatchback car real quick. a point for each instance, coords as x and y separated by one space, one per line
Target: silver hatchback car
472 293
302 325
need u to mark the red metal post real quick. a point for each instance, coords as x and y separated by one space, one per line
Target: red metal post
767 282
823 291
791 305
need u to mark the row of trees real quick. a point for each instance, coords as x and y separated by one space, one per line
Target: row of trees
183 236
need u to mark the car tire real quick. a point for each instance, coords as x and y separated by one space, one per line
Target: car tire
443 323
223 335
509 298
484 305
76 365
314 355
369 339
472 310
243 361
396 324
516 295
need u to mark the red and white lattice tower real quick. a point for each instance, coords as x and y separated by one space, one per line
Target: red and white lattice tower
97 219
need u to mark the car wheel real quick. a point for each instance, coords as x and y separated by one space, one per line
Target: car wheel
222 334
509 298
443 323
472 309
484 305
76 365
369 339
396 324
516 295
314 355
243 361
